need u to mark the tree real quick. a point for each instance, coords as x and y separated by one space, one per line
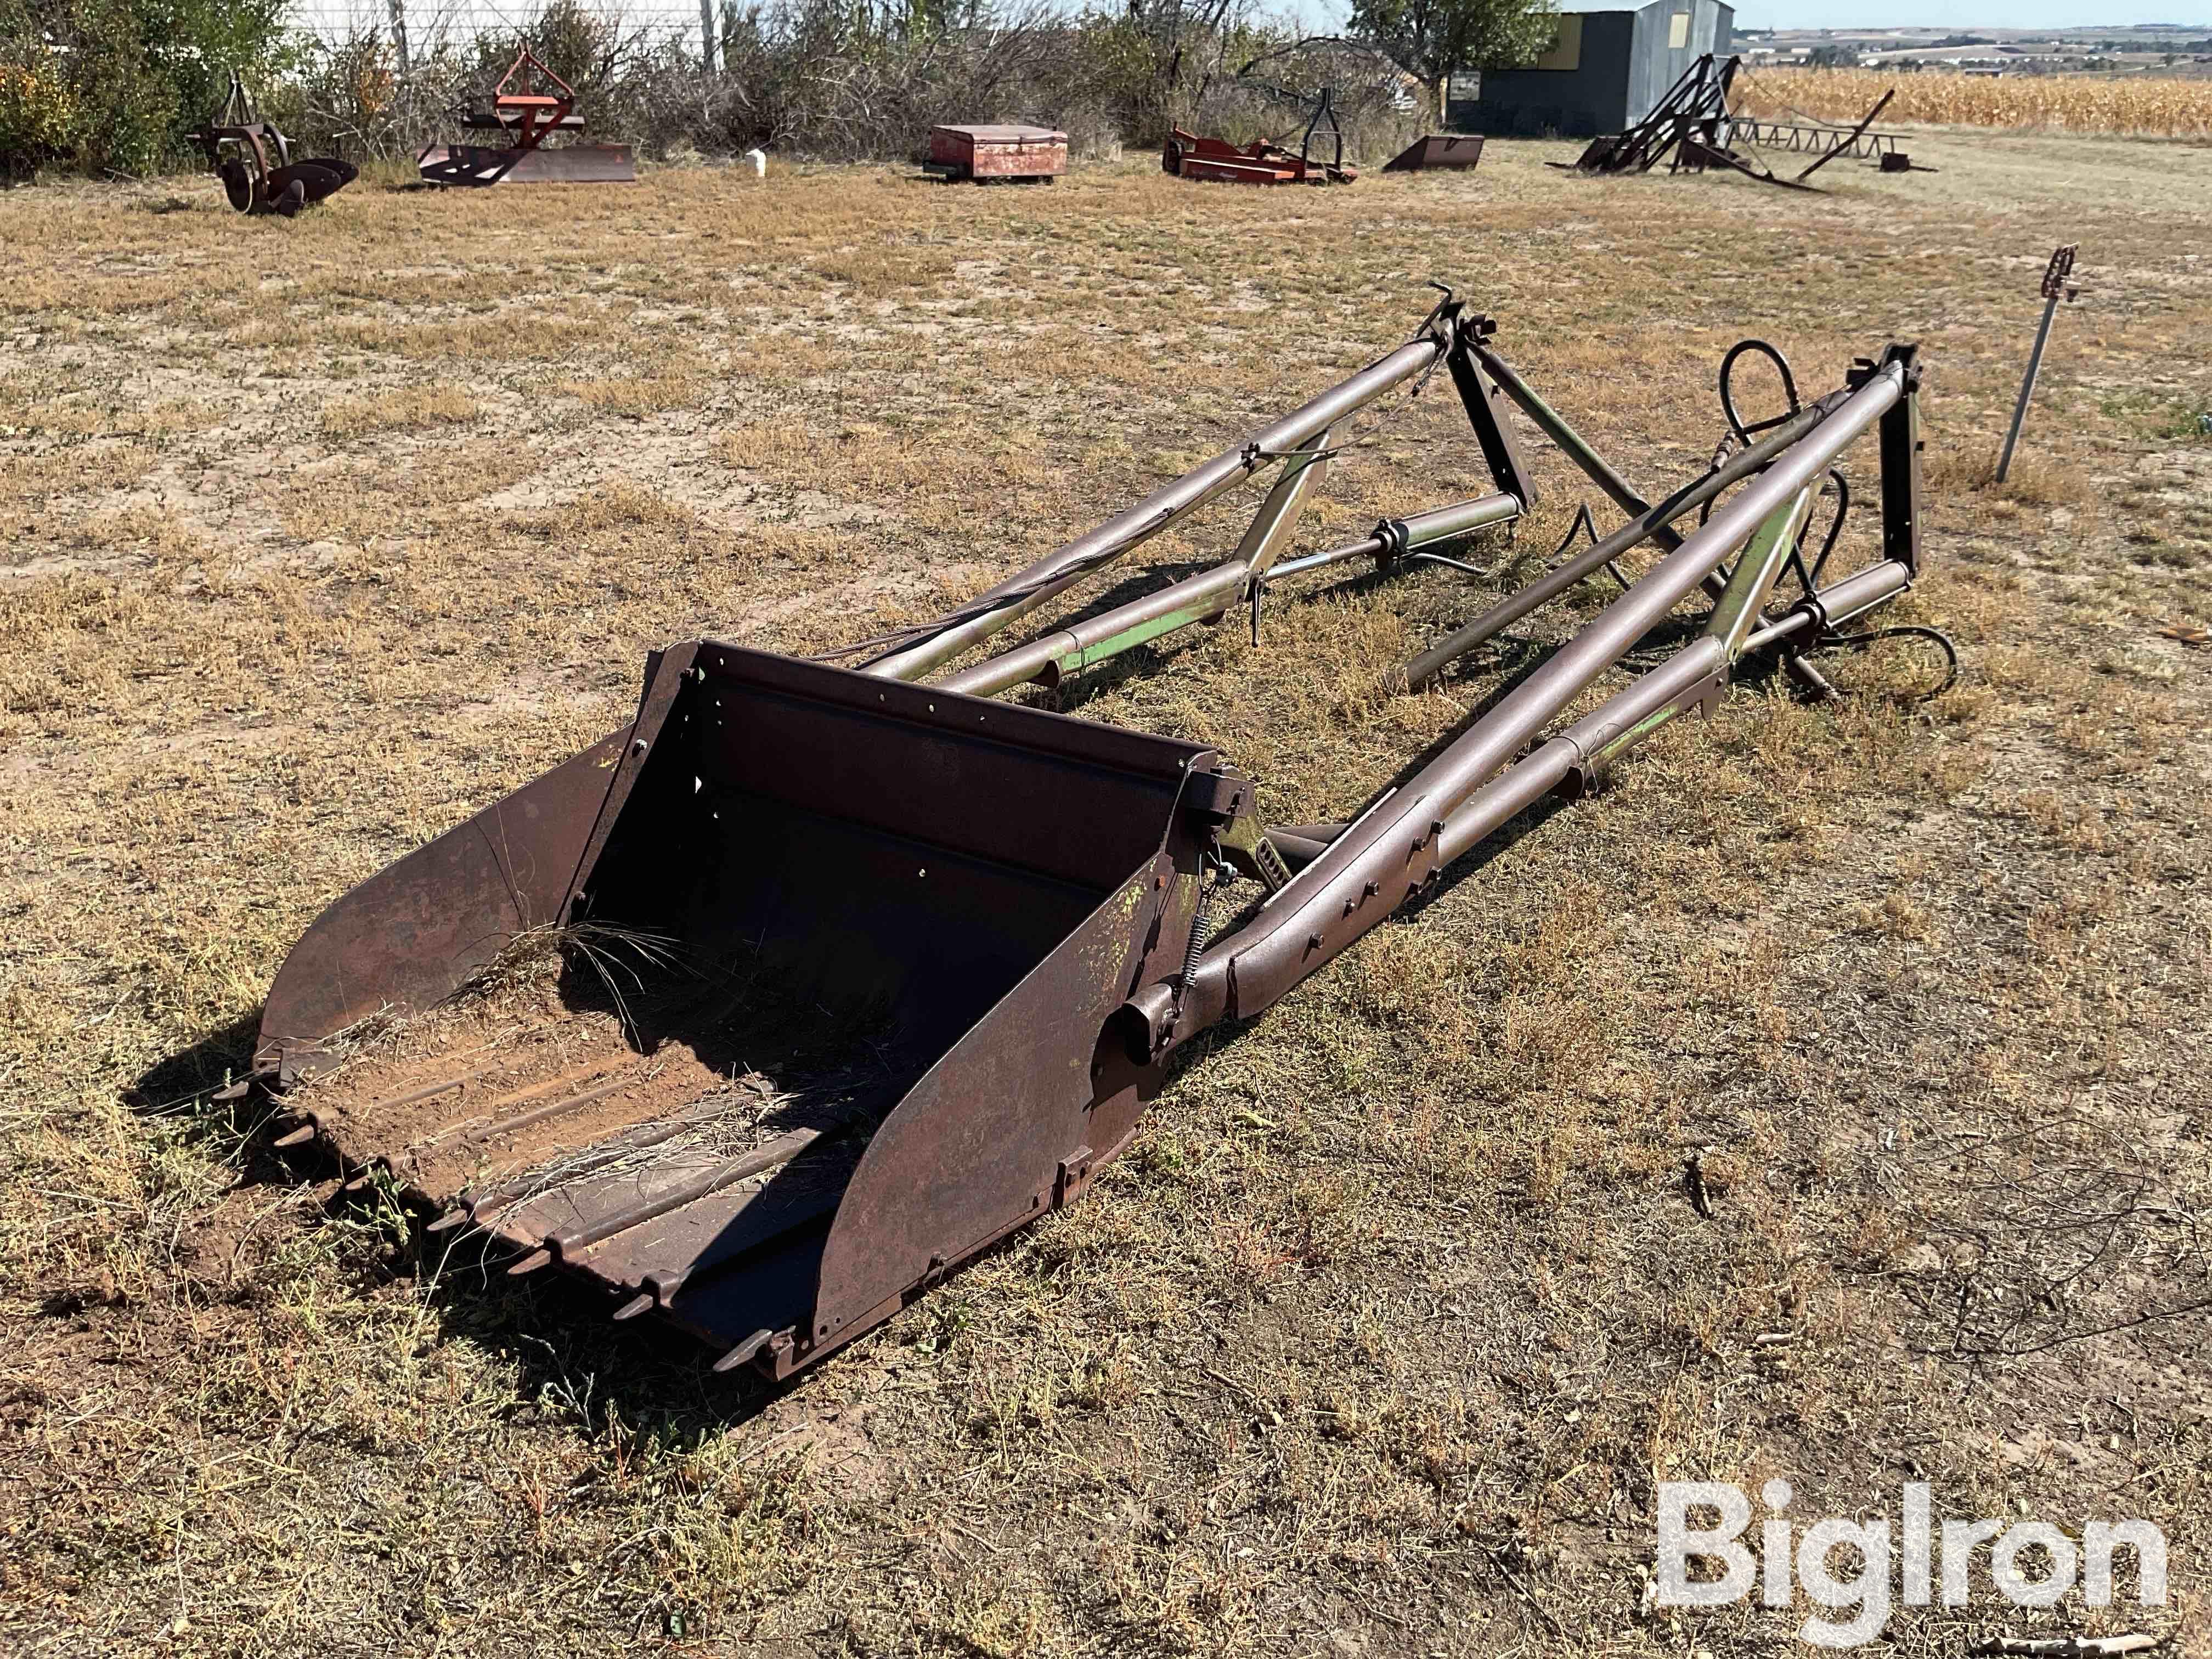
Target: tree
1430 39
134 75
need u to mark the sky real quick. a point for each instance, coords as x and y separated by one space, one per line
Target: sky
1951 16
1326 16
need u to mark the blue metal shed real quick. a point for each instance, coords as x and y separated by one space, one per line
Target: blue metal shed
1609 67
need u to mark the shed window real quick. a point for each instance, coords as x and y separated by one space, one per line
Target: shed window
1566 52
1677 31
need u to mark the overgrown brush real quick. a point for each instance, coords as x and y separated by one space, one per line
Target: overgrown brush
826 79
113 86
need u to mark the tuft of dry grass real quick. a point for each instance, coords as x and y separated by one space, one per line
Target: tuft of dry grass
635 394
398 409
1381 1335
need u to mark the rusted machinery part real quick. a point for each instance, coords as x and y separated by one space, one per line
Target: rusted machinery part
303 184
253 159
1435 150
529 104
1691 128
1848 145
539 164
1190 155
254 188
1015 901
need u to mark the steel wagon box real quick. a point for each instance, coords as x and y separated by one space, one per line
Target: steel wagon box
983 153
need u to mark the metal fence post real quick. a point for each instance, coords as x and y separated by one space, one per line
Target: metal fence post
398 12
2054 289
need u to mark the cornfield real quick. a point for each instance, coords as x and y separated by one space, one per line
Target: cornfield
2161 106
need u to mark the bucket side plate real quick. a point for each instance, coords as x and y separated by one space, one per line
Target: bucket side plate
410 936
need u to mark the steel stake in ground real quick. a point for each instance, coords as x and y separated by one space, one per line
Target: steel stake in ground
2054 288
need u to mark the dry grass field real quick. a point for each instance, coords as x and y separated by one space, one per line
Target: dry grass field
315 536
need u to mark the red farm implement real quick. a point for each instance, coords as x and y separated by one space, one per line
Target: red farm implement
530 105
1263 162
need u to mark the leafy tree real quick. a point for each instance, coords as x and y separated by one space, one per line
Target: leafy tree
135 76
36 117
1430 39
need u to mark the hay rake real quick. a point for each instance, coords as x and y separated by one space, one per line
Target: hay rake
860 973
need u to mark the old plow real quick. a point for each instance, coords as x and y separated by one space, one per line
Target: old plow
254 160
816 978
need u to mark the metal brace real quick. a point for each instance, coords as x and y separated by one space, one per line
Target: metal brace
1229 805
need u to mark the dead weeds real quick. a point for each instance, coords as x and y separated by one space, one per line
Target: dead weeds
1380 1337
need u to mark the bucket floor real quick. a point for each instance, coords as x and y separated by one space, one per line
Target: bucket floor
687 1160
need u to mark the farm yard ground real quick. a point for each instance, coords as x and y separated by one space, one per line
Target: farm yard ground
316 536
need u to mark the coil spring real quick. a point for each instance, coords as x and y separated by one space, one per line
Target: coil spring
1201 929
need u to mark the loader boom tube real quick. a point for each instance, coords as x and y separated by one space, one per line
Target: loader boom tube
1392 854
1056 572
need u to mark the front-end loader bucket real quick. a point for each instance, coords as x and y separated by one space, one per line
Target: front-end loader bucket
858 942
771 1008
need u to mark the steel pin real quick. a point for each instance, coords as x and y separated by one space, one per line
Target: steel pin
635 1306
298 1137
456 1217
531 1263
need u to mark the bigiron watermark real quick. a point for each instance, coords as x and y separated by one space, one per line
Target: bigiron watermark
1931 1561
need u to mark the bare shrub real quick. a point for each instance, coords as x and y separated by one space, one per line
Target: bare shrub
830 80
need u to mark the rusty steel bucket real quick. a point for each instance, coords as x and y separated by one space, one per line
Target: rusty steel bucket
981 885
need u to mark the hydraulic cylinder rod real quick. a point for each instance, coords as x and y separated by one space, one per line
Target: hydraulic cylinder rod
1054 574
